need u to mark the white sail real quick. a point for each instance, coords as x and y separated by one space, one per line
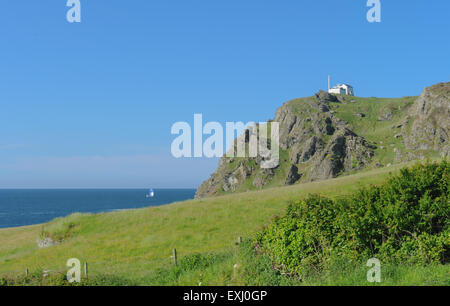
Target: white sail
150 194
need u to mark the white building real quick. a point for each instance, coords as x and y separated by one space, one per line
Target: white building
340 89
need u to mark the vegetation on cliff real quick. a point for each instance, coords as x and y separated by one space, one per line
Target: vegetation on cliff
326 136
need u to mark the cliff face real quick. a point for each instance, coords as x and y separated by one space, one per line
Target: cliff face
319 143
430 121
326 135
314 145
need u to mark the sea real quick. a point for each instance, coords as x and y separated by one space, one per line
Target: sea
19 207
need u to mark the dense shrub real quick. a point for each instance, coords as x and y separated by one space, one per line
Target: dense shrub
302 237
403 220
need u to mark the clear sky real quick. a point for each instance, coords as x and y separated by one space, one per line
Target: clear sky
91 104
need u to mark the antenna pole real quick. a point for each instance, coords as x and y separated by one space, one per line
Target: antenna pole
329 82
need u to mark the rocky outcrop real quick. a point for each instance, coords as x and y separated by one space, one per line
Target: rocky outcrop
345 151
263 177
293 175
302 153
429 121
46 242
326 97
317 144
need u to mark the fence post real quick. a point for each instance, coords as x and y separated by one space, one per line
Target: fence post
239 239
26 272
235 270
86 269
175 256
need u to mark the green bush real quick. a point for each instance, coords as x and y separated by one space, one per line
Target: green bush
403 220
300 240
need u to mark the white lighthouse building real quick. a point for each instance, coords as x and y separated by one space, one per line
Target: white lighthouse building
340 89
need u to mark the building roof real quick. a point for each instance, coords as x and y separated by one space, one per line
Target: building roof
342 85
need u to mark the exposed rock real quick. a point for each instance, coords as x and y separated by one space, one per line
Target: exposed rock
386 116
292 176
326 97
230 183
310 148
301 153
345 151
430 115
263 177
323 108
46 242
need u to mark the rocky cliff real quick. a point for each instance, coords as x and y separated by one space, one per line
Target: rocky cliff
326 135
429 118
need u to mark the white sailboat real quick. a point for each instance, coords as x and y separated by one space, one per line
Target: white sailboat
150 194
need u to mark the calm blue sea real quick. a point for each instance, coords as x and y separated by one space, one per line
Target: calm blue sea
26 206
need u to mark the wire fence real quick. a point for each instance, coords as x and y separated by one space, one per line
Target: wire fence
93 268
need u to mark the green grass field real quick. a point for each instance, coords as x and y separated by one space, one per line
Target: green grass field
137 244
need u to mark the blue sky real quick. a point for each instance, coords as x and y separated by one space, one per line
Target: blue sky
91 104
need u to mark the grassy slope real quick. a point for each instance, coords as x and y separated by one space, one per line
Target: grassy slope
135 242
382 133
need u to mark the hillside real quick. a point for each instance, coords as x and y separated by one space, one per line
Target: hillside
138 242
326 136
